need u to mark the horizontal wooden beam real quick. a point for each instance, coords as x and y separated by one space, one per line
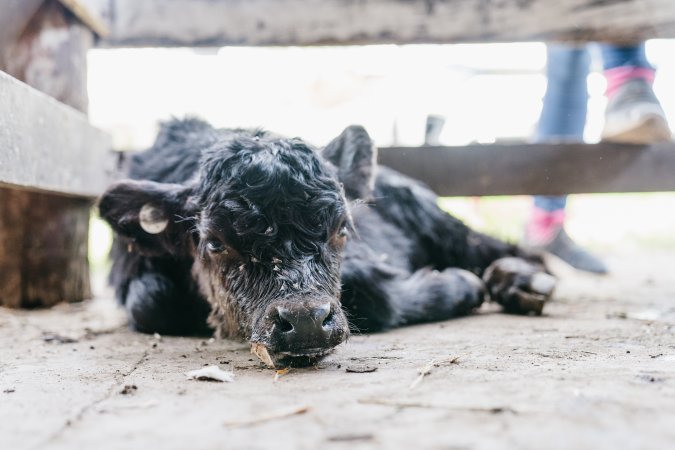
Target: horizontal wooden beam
48 146
546 169
343 22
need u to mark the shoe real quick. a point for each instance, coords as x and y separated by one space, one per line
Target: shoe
569 251
634 115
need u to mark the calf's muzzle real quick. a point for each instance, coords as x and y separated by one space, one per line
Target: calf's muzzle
301 332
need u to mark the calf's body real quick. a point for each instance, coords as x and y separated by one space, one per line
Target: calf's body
269 240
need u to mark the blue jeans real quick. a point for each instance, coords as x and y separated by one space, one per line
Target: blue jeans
563 116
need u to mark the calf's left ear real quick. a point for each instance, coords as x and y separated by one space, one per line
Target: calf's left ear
149 215
354 155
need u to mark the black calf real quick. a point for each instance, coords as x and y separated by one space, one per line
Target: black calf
275 242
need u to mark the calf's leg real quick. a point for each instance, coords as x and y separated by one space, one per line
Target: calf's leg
155 304
515 278
446 243
376 296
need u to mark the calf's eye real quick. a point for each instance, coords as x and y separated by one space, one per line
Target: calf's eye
215 246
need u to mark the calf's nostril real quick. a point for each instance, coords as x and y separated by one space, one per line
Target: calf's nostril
328 319
284 320
322 312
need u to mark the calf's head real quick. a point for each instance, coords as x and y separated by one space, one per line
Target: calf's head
265 221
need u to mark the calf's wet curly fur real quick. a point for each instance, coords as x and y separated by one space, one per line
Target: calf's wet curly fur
267 239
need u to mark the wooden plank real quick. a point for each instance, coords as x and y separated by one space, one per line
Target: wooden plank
546 169
48 146
318 22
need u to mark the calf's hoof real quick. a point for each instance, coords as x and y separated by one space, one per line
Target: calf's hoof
518 285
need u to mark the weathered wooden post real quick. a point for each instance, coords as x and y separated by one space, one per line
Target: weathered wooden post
44 236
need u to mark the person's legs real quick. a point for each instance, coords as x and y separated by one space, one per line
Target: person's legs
633 114
614 56
562 118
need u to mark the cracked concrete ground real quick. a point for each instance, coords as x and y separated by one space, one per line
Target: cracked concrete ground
597 371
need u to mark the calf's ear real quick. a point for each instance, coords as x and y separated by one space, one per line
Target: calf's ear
151 217
354 155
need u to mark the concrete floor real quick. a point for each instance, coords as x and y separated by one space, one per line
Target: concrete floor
597 371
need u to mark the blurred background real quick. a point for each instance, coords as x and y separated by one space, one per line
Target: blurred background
486 92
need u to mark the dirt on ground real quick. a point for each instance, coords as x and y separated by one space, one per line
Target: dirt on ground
596 371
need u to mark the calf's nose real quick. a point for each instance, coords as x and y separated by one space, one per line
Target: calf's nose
306 327
304 320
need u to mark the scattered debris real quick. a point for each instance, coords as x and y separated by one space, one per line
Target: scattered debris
158 338
205 343
403 404
549 355
279 373
648 378
91 333
360 369
268 417
617 315
211 373
58 338
656 356
261 352
361 359
351 437
111 407
648 315
9 391
129 389
590 338
426 369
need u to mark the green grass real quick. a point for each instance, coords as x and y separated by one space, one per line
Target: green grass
100 240
600 221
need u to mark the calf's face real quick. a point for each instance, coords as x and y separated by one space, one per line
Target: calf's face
265 222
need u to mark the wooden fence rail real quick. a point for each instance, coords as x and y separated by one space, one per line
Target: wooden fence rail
544 169
342 22
48 146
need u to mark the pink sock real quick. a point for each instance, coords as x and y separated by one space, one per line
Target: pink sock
617 76
543 225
